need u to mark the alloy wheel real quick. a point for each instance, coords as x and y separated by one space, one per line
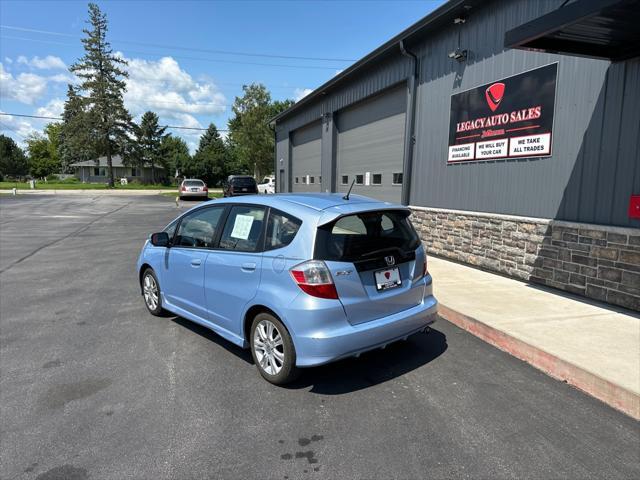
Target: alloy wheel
150 291
268 347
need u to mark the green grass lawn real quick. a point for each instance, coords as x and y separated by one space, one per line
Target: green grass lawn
79 186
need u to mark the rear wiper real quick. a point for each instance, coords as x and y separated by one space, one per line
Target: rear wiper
375 252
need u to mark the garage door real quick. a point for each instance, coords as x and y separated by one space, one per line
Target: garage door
305 159
370 146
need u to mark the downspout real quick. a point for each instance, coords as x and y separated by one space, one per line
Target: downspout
276 171
409 138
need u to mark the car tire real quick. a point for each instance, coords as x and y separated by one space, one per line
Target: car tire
151 286
272 350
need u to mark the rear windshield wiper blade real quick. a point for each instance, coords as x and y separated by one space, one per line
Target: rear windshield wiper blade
375 252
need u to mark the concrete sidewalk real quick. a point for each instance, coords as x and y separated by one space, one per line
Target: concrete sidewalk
593 346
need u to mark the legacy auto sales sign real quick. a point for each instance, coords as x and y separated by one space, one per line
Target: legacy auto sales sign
510 118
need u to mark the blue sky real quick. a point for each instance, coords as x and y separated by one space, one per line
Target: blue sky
175 49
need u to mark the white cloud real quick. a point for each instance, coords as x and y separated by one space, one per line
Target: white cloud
162 86
300 93
8 60
167 89
53 108
15 127
63 78
25 88
47 63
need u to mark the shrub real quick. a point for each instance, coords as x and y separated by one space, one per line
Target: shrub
70 180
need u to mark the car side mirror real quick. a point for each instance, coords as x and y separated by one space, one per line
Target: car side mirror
160 239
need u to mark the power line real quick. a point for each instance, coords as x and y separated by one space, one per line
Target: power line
176 47
191 49
7 127
184 57
43 117
231 84
188 104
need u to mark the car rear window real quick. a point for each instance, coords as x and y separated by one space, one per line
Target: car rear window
243 181
193 183
366 235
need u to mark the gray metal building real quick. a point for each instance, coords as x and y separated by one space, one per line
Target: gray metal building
385 123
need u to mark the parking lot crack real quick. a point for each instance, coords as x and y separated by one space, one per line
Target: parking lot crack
65 237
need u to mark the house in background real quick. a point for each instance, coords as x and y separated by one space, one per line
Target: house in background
92 171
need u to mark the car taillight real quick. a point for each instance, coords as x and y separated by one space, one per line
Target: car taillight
183 188
205 189
424 271
313 277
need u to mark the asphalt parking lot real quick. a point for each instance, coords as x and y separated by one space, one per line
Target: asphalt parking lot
94 387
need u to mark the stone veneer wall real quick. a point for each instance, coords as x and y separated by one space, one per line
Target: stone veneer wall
596 261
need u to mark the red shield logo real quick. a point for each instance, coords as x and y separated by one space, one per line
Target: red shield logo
387 275
494 95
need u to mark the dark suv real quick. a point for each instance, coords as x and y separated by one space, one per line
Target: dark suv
240 185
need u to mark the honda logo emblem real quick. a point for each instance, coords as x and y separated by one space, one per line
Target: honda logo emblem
390 260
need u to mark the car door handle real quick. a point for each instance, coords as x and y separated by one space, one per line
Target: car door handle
248 267
196 262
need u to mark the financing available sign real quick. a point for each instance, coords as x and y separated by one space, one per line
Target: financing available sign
509 118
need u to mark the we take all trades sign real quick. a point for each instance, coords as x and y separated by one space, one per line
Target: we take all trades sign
509 118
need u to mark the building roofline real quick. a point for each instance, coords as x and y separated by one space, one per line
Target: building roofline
436 18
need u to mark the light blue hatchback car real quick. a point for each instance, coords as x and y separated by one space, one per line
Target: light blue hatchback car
300 279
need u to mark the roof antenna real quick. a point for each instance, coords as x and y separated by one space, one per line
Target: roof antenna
346 197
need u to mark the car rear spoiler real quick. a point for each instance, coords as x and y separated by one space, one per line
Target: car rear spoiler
333 213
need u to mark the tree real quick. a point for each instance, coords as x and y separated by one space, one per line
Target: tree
102 74
250 136
76 140
149 136
43 151
209 161
13 161
175 154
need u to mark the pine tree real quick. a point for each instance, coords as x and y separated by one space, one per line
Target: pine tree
102 74
175 153
210 157
76 142
149 136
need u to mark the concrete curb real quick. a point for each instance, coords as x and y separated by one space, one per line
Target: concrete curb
613 395
92 192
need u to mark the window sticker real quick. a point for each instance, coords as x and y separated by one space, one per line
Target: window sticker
242 227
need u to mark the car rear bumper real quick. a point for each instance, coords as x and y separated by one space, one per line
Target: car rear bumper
324 346
193 194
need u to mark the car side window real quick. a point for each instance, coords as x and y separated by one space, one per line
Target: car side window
386 223
281 229
243 229
350 225
171 228
198 229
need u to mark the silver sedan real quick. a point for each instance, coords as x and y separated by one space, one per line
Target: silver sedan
192 187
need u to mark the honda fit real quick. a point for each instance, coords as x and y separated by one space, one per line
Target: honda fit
300 279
